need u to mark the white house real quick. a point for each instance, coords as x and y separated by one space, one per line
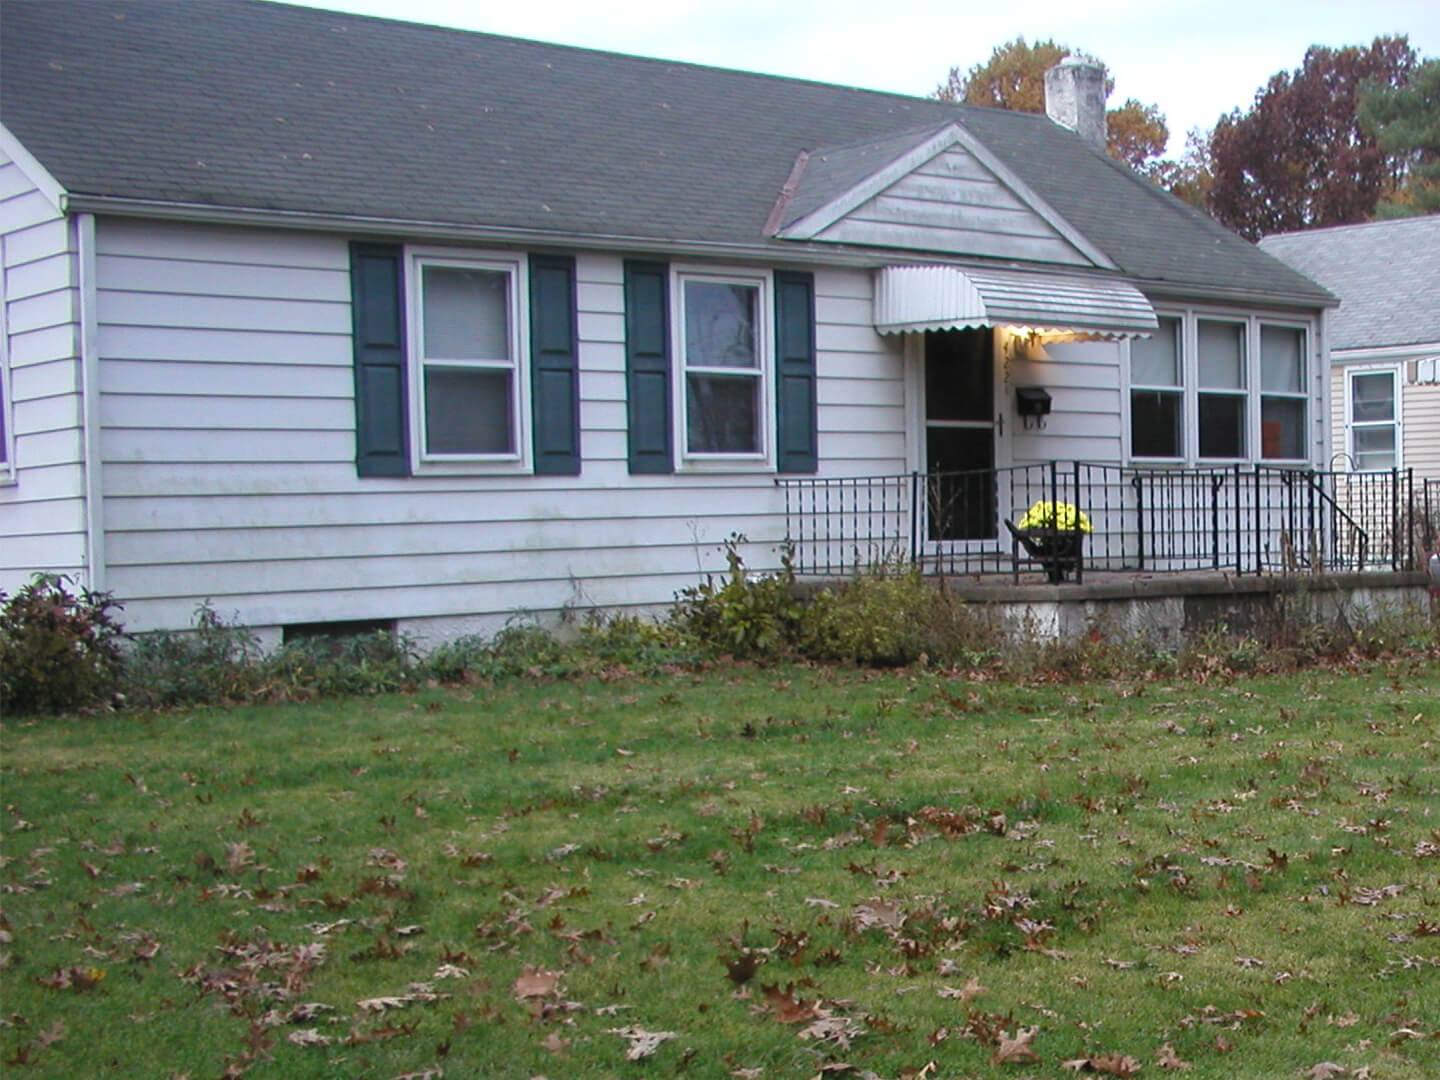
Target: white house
329 318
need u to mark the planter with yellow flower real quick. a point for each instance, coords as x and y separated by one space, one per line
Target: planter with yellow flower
1053 533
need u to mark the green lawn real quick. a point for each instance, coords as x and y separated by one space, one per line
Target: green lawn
749 873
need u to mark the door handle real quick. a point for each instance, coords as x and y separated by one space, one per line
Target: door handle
1000 424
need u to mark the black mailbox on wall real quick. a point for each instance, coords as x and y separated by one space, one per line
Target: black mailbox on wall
1033 405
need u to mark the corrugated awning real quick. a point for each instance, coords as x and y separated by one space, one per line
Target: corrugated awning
909 298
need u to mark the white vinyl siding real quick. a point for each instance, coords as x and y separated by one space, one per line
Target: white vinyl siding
954 203
1083 380
42 483
228 441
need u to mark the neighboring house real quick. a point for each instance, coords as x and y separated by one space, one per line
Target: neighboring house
1384 338
330 318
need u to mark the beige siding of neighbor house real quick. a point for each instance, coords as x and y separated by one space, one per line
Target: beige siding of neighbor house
1421 420
42 506
228 416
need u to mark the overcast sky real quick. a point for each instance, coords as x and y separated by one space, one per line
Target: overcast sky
1196 60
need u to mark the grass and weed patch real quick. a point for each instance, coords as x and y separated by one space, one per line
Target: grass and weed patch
737 872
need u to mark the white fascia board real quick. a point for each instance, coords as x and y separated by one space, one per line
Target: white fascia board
1366 354
772 253
817 221
30 165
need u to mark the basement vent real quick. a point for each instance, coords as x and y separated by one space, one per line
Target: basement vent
342 629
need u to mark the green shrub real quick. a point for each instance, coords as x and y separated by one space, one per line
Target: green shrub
324 666
743 614
887 617
216 661
60 647
631 642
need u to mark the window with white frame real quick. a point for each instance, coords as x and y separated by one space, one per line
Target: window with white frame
1213 387
1282 392
724 356
1157 393
1221 398
467 369
1373 428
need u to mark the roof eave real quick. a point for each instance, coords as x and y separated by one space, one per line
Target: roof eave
1183 291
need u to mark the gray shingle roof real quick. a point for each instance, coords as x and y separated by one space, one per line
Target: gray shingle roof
1386 273
242 103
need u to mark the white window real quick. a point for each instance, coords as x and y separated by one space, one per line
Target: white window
1282 393
1157 393
1372 400
722 331
1221 398
468 363
1219 388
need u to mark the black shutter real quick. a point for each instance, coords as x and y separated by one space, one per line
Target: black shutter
554 365
378 310
795 372
647 366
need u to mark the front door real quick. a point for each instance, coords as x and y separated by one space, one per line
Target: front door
960 434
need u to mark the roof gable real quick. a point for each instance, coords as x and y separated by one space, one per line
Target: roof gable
936 191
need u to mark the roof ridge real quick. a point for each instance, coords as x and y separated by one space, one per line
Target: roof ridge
285 5
1412 219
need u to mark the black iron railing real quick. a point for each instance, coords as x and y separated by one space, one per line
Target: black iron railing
1246 519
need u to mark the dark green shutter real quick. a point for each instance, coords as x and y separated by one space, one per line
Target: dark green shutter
647 366
378 310
795 372
554 365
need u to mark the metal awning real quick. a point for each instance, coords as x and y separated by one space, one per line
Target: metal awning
911 298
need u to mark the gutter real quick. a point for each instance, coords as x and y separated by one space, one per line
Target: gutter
83 235
788 252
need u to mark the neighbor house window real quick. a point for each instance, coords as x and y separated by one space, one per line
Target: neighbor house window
1216 388
1374 414
468 363
724 350
1282 392
1157 396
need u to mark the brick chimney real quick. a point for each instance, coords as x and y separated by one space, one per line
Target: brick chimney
1075 98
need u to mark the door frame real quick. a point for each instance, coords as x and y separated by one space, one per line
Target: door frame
915 431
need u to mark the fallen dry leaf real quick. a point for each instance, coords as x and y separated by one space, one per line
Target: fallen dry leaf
971 989
536 983
785 1007
1167 1058
642 1043
1015 1051
1326 1070
308 1037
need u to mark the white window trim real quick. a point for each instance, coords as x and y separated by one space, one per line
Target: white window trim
1179 389
516 266
1190 318
8 474
687 460
1397 380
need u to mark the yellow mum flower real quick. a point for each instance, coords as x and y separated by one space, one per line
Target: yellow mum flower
1055 515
